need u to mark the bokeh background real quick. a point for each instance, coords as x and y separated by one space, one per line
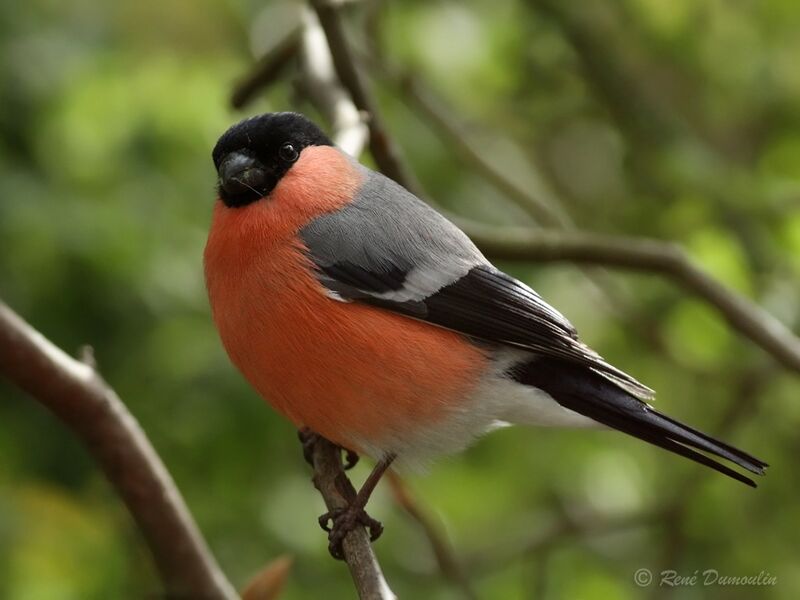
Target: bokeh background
676 120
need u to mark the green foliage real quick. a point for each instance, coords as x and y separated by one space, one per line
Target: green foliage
109 114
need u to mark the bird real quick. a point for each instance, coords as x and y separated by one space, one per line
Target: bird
364 316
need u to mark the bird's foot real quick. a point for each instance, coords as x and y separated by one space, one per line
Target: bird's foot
309 438
339 522
350 459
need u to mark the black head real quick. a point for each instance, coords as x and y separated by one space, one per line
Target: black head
253 155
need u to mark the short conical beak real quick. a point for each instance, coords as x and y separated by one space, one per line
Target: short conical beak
240 173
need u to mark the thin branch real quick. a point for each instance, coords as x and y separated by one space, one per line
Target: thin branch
324 90
268 69
448 563
381 145
79 397
646 255
337 491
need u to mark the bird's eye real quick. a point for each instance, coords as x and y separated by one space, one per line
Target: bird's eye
288 153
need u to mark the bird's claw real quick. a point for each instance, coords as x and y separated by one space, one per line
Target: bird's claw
350 459
341 521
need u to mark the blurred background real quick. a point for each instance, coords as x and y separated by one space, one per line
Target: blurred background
674 120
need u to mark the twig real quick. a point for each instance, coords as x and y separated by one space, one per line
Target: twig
449 565
646 255
267 69
79 397
324 90
337 491
381 145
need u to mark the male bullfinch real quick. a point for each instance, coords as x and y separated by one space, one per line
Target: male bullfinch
359 312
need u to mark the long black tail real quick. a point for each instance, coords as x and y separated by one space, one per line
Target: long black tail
590 394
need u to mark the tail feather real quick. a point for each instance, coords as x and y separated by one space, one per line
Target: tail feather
592 395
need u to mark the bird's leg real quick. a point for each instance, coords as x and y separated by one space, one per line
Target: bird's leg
308 439
344 520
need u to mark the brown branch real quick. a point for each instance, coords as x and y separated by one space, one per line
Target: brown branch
268 69
448 564
381 145
646 255
79 397
337 491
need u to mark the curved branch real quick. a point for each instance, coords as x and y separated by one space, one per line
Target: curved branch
79 397
645 255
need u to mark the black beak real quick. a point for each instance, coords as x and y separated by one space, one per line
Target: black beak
242 174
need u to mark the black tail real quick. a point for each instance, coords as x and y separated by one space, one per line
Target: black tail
590 394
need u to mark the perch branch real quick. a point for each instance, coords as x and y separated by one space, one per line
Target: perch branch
78 396
338 492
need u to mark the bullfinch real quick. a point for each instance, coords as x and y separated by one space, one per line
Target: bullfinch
359 312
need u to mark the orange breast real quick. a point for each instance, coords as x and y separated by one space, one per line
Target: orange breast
349 371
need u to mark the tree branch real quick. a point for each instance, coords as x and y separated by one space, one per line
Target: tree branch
652 256
337 491
324 90
381 145
79 397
